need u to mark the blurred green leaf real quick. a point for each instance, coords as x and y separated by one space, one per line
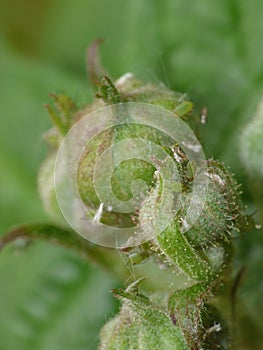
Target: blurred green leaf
51 299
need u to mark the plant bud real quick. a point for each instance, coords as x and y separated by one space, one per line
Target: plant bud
141 325
126 89
222 211
201 250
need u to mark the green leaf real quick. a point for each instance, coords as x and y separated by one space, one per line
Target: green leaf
51 298
107 258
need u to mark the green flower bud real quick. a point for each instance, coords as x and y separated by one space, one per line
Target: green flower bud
222 210
141 325
201 250
126 89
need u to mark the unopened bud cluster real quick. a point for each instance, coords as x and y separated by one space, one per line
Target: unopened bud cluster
199 251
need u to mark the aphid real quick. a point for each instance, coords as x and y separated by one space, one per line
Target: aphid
173 318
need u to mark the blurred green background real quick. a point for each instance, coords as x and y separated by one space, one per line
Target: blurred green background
50 298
